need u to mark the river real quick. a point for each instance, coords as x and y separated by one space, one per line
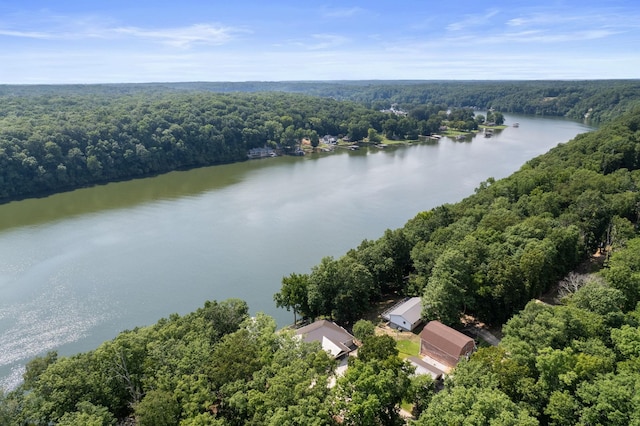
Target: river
76 268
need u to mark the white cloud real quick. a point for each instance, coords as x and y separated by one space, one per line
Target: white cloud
327 41
27 34
473 21
183 37
92 28
321 42
342 12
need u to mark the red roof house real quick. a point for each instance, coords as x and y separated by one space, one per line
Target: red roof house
444 344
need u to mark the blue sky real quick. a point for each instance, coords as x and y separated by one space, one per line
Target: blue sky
238 40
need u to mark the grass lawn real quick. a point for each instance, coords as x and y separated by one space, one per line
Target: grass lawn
500 127
408 348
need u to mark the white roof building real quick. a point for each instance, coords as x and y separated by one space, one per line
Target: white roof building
407 315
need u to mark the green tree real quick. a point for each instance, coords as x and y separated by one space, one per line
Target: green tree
87 415
611 399
595 296
624 272
363 329
446 293
420 393
157 408
370 392
562 408
293 294
340 289
290 390
377 347
36 367
474 406
626 340
373 136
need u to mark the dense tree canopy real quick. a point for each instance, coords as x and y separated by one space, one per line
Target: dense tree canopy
52 141
491 254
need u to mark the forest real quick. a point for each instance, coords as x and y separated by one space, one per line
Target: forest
50 143
58 138
491 255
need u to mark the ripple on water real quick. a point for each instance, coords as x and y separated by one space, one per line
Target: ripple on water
57 317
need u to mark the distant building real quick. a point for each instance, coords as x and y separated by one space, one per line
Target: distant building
263 152
333 338
444 344
329 140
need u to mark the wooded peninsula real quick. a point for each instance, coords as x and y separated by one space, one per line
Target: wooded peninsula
493 255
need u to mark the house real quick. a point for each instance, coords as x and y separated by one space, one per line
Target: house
333 338
424 368
444 344
405 316
261 153
329 140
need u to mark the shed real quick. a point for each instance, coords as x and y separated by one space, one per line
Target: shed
425 368
407 315
333 338
444 344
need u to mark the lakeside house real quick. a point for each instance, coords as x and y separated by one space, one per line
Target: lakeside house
263 152
333 338
444 344
329 140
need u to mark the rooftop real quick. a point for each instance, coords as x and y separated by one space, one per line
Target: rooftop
331 336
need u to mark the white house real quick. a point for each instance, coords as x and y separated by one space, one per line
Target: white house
333 338
407 315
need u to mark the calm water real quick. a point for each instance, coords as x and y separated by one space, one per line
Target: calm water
77 268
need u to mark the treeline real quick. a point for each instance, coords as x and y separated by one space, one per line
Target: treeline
596 100
491 253
51 142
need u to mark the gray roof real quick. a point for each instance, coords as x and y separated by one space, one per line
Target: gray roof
322 330
423 367
411 310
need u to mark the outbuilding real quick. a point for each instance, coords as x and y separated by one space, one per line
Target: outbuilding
423 368
444 344
407 315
